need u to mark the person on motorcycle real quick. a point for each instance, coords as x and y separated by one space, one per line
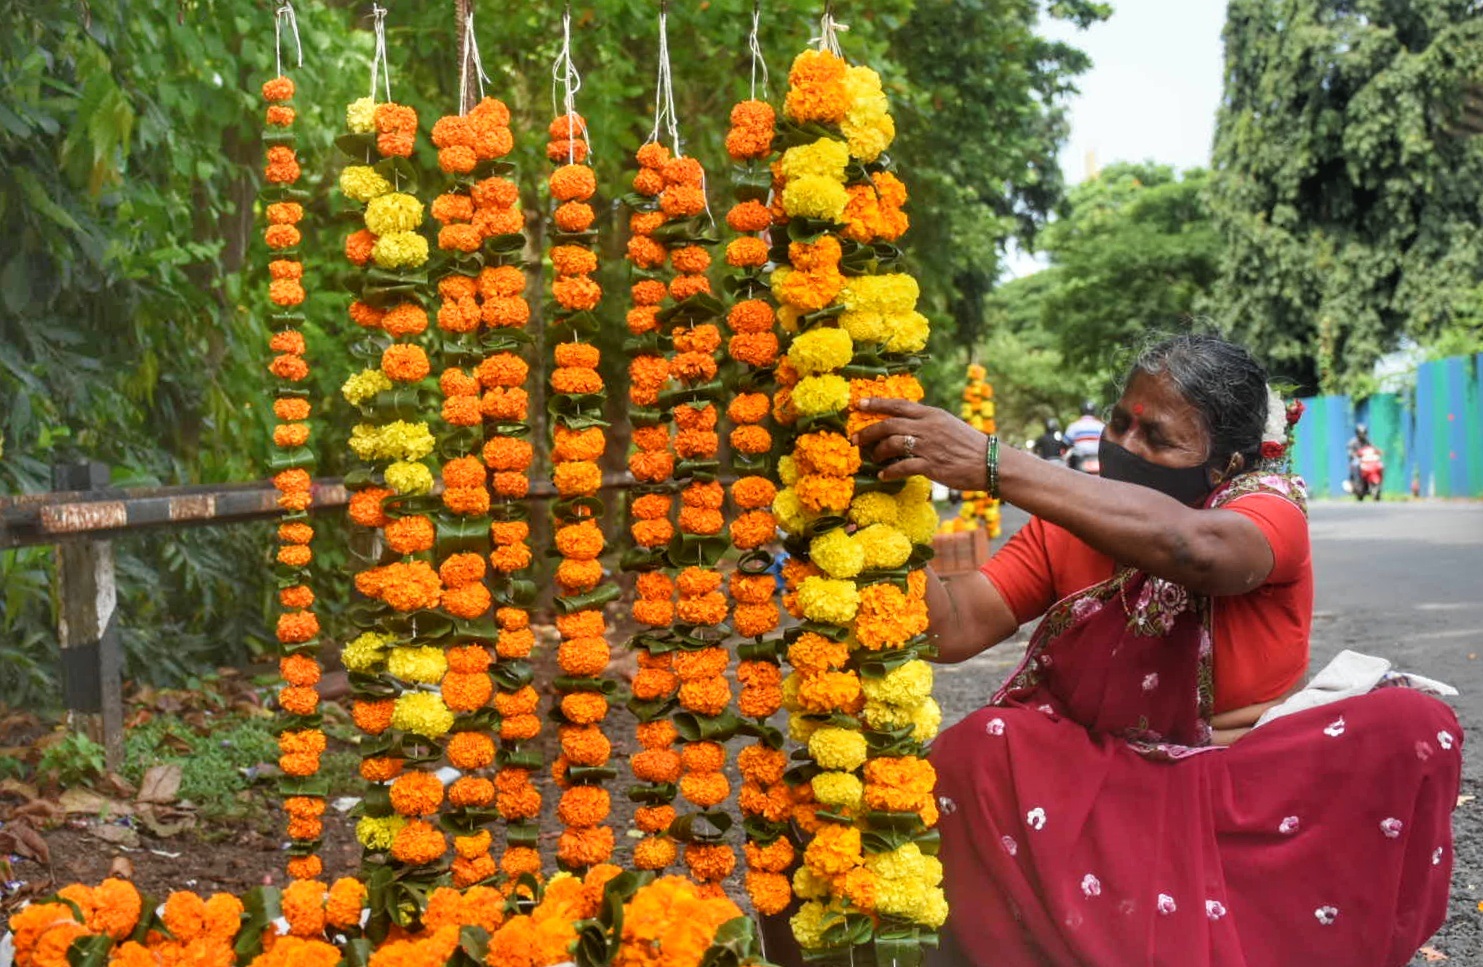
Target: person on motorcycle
1359 441
1050 445
1084 436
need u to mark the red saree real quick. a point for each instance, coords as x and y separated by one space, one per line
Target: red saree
1086 819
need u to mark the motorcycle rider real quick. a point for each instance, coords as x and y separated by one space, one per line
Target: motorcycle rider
1359 441
1084 435
1050 445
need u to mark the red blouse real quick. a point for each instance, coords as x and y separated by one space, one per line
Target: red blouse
1261 637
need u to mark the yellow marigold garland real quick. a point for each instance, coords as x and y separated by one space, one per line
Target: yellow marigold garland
656 766
978 509
297 627
859 692
578 443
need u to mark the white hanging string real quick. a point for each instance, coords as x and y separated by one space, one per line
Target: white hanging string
285 12
756 48
470 56
379 64
666 120
564 77
829 31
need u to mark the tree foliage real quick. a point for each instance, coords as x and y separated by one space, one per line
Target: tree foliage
1133 253
131 294
1349 201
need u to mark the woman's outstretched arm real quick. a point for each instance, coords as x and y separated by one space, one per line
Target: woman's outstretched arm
966 615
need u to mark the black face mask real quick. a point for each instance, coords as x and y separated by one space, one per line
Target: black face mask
1188 485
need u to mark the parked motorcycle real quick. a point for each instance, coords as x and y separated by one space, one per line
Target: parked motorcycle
1369 472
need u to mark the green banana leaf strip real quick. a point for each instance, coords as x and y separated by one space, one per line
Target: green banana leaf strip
358 146
358 952
755 562
653 793
361 478
402 505
290 459
824 524
400 172
376 800
762 831
511 676
929 841
459 441
479 720
506 339
920 555
595 598
707 728
745 464
646 344
816 318
509 510
647 416
791 135
506 244
474 942
642 559
696 396
706 826
648 711
695 550
585 238
832 632
591 948
457 534
569 510
478 630
770 650
899 948
891 742
639 202
844 931
692 309
288 320
89 951
768 735
304 786
292 392
804 771
703 470
696 637
809 229
517 594
583 323
753 380
304 847
515 428
748 286
467 821
573 683
865 484
590 775
734 945
821 421
524 833
513 758
261 906
882 663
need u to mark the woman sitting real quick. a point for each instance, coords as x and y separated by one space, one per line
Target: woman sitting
1113 804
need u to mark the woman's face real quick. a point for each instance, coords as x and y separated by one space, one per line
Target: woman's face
1154 421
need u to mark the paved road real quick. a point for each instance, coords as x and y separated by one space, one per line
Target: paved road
1403 581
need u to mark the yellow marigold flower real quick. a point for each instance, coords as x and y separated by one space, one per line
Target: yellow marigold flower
907 333
400 250
821 394
867 123
823 599
825 158
815 196
377 832
905 686
894 292
394 211
361 386
790 512
836 748
360 115
873 508
425 664
821 350
882 545
917 520
422 713
365 651
808 885
788 317
801 728
787 470
398 440
926 720
865 326
362 183
840 789
810 922
917 488
837 553
409 478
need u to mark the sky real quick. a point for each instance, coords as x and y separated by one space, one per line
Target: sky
1151 93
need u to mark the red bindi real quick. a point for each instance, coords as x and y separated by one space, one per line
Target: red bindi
1137 409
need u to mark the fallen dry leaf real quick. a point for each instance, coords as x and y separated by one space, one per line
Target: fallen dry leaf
117 835
17 789
80 800
22 840
160 784
1431 954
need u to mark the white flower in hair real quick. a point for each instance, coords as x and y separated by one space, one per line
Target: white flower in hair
1276 428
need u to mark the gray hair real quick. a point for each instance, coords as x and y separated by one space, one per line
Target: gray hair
1221 380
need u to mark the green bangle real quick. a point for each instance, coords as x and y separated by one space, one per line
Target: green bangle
991 461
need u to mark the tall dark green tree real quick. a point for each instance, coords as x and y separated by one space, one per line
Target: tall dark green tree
1348 196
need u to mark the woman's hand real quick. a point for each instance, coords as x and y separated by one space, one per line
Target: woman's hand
929 441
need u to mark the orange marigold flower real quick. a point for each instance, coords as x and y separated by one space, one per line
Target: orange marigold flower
574 216
418 843
584 805
501 281
651 506
460 569
468 659
518 728
508 453
288 341
707 609
754 349
755 620
404 362
753 529
290 434
710 862
573 183
366 316
749 216
751 439
570 445
466 692
456 382
282 167
751 316
453 208
411 586
585 746
515 644
519 860
762 764
573 260
577 477
467 602
365 507
583 847
577 577
705 789
499 221
298 596
297 627
656 765
291 408
581 541
358 247
654 613
682 201
690 259
703 756
567 126
648 182
651 466
567 149
295 532
471 791
576 380
584 708
508 558
691 582
495 193
289 367
683 171
407 319
696 443
459 238
346 900
381 769
643 252
698 339
278 89
470 750
642 319
705 696
303 908
652 683
693 368
648 292
298 700
416 794
654 853
505 312
888 617
502 369
285 236
411 535
652 533
373 716
654 819
576 292
652 154
505 404
746 252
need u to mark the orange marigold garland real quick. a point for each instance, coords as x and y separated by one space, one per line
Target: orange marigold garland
860 691
764 798
396 672
292 461
482 317
577 445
